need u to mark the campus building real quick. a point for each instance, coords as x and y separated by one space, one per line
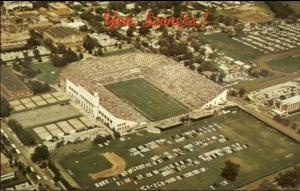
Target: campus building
90 102
11 86
60 9
68 37
290 105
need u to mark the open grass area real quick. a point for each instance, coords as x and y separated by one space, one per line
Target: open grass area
287 64
77 162
50 73
149 100
268 152
231 47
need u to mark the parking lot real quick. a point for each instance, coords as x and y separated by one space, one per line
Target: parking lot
191 157
271 38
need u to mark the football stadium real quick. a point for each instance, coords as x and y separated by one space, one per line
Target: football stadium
134 90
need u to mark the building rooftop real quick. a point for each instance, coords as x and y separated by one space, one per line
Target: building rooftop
58 6
62 32
291 100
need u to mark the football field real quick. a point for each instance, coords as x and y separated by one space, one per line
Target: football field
191 156
147 99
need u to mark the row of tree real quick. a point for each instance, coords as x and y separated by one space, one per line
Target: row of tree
24 136
4 107
38 87
102 139
281 10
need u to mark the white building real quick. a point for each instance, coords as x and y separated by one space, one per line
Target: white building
290 105
10 5
90 102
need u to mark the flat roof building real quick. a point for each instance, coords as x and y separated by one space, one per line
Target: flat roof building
68 37
60 9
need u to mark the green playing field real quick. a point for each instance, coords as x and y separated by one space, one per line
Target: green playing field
149 100
287 64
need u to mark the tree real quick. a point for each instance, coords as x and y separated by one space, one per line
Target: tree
90 44
40 153
29 72
4 107
38 87
80 56
58 61
36 53
24 136
294 126
230 171
101 139
130 31
143 30
233 93
221 77
83 28
116 6
242 91
288 179
70 56
264 73
192 67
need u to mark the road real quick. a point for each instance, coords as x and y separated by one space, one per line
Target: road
25 156
263 117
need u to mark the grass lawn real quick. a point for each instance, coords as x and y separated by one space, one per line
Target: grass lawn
251 85
149 100
231 47
81 164
287 64
268 152
50 73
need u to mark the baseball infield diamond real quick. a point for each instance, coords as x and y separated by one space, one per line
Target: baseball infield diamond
118 165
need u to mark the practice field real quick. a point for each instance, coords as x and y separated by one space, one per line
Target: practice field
263 151
231 47
149 100
287 64
49 73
